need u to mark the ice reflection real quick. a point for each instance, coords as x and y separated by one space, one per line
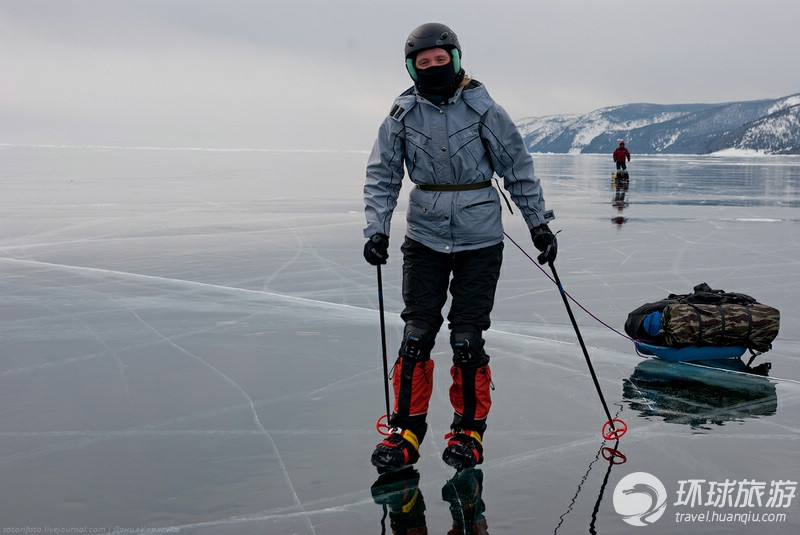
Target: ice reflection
619 186
698 395
613 457
400 497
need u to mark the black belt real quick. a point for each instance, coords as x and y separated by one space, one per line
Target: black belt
455 187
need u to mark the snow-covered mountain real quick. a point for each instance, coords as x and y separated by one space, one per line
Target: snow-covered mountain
766 126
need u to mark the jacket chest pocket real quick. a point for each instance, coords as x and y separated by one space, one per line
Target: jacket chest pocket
419 155
468 148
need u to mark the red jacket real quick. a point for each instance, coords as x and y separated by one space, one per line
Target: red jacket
621 153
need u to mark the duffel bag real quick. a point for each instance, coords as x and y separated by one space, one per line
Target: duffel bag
754 326
705 317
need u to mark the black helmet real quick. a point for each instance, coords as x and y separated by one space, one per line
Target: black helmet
432 35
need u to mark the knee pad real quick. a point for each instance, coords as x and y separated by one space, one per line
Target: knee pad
412 379
467 347
417 343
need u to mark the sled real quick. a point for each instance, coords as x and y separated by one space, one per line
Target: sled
689 353
702 326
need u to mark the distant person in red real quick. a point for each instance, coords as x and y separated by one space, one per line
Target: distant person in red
620 155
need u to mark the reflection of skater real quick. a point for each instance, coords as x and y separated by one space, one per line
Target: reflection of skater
621 154
620 189
463 492
451 137
399 493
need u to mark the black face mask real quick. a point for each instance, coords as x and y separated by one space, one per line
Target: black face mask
438 82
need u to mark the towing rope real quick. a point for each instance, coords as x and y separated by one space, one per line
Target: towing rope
546 274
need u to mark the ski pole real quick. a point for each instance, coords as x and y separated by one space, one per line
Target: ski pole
383 347
613 432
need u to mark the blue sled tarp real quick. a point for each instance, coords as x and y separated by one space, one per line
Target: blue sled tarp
690 353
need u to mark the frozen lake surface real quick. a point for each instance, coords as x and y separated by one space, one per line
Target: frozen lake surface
190 341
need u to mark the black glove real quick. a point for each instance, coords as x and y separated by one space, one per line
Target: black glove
376 250
545 241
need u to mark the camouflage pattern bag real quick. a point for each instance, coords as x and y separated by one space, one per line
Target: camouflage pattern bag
706 317
752 325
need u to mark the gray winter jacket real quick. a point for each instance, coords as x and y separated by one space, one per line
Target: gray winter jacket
465 141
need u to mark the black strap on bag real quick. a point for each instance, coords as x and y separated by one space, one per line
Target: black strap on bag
704 295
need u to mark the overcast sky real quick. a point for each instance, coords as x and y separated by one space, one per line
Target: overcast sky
322 74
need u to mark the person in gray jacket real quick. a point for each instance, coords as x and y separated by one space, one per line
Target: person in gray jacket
452 138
